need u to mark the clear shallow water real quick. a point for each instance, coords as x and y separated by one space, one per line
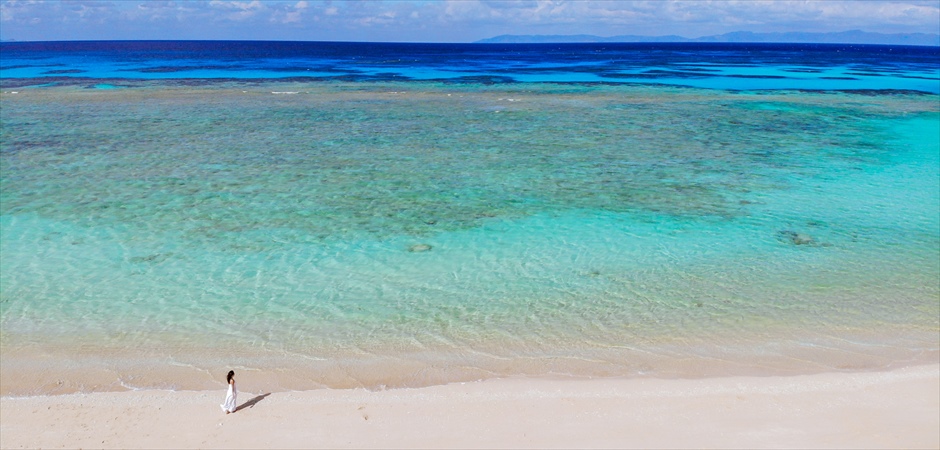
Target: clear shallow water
154 234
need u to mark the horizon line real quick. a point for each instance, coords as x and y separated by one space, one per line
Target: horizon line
479 42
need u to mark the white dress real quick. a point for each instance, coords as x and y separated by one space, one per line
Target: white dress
230 399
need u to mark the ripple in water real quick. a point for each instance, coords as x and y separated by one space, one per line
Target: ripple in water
411 234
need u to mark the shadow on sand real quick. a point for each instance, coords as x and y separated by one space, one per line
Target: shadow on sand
251 403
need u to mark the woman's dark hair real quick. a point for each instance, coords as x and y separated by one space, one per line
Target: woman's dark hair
231 374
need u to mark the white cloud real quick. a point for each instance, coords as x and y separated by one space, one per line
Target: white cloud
16 9
454 20
237 10
288 14
384 18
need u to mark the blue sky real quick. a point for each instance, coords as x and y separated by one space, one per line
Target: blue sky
448 20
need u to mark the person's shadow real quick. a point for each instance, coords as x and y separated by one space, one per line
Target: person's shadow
251 403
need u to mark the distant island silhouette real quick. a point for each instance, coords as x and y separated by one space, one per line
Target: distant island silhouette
842 37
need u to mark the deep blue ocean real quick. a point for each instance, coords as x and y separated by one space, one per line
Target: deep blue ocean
385 215
707 65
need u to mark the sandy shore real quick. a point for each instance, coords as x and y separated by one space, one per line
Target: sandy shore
894 409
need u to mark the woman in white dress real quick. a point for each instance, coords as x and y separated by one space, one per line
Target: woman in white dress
231 395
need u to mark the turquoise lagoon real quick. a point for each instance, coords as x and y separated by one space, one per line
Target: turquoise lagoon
386 234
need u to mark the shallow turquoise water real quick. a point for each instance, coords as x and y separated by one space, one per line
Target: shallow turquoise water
404 234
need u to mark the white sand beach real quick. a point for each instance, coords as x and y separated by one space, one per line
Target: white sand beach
891 409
